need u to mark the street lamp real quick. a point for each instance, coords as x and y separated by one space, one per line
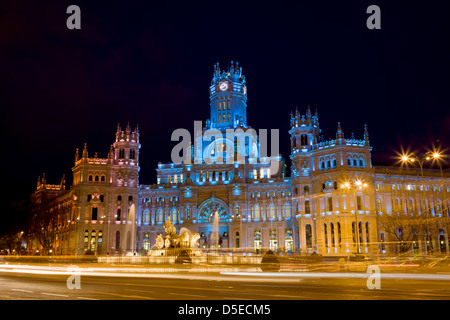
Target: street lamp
357 184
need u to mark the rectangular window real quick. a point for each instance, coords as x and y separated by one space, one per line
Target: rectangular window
94 213
359 202
307 207
330 204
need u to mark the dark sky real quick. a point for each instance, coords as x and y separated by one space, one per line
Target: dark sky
151 63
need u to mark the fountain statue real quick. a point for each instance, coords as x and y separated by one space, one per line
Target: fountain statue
171 240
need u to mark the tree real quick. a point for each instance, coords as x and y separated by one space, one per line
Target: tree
405 228
44 212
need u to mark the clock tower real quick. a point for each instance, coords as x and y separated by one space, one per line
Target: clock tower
228 98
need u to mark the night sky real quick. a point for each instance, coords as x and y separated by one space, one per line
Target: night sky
150 63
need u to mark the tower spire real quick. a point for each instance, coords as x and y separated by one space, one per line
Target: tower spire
366 135
84 155
339 133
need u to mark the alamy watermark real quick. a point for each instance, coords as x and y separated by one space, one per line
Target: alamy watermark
74 280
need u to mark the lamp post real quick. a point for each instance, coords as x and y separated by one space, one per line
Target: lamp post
355 186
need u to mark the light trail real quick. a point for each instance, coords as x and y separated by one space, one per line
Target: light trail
230 275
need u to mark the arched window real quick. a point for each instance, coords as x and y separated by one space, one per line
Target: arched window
288 241
360 232
93 242
90 178
308 236
256 212
160 215
325 233
333 240
173 215
361 163
117 242
119 214
257 240
339 233
354 231
132 154
220 106
367 233
355 162
379 205
86 240
228 106
100 241
287 210
349 162
272 211
273 242
146 242
146 216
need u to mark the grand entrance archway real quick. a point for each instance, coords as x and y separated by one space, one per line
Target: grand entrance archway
208 207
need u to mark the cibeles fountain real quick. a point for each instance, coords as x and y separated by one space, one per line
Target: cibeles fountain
172 244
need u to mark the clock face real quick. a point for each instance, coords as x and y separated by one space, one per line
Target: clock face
223 86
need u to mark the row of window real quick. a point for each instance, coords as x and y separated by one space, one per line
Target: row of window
332 163
410 187
359 203
271 194
161 199
96 178
257 211
264 173
224 105
224 117
411 205
121 154
273 240
92 241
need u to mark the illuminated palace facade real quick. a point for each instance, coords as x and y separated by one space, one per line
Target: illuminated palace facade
332 202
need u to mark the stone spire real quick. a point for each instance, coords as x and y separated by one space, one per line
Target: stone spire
339 132
366 135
